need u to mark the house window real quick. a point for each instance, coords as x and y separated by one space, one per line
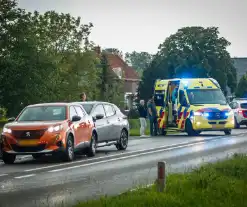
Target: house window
118 71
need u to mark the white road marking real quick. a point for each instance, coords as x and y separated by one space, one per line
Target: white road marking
25 176
1 175
126 153
131 156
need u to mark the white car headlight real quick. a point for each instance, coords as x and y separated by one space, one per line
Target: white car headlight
7 130
55 128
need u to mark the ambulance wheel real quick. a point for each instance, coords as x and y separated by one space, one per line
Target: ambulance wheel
162 132
189 129
228 132
237 126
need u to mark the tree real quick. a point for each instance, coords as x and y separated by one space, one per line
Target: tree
158 69
111 86
139 60
22 65
242 87
44 57
195 52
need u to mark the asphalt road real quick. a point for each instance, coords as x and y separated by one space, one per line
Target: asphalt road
47 182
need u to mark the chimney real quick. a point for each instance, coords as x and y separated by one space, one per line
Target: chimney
97 49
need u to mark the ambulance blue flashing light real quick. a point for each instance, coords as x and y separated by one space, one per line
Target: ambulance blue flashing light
185 82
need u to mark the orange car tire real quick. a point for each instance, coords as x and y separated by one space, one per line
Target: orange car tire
69 153
8 158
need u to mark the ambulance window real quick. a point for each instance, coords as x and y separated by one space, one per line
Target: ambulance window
159 98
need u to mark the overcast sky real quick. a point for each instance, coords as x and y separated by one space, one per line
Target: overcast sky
142 25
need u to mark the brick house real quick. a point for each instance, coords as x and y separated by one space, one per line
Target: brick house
124 72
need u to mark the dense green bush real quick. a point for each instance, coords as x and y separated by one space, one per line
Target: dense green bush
3 113
2 122
133 114
3 119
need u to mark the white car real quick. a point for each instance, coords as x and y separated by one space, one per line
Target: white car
239 107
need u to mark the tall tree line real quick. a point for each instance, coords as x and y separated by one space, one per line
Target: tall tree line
47 58
192 52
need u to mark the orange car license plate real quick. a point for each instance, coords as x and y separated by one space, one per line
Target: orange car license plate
28 142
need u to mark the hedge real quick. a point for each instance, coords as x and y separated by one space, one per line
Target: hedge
2 123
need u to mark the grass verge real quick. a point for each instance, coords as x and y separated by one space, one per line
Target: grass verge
223 184
135 127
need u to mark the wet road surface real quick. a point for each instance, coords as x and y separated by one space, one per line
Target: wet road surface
47 182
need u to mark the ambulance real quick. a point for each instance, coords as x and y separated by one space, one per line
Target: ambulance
192 106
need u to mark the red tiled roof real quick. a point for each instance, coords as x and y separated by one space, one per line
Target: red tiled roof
116 61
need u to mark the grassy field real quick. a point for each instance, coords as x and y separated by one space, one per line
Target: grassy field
135 127
223 184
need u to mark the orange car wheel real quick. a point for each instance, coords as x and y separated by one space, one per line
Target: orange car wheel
91 151
69 154
8 158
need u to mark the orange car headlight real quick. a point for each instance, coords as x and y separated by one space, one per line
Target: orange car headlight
55 128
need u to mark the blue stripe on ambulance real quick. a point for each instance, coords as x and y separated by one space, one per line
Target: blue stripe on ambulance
185 111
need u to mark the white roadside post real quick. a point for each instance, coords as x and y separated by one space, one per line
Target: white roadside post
161 181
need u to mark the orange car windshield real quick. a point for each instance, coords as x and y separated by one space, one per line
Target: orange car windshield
43 113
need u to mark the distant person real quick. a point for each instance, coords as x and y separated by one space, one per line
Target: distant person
152 114
143 115
174 104
83 97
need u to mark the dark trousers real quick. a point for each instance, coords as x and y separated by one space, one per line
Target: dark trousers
153 126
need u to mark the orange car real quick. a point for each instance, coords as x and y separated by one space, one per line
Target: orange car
49 128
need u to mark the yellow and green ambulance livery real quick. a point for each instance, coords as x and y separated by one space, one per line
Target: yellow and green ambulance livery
196 105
